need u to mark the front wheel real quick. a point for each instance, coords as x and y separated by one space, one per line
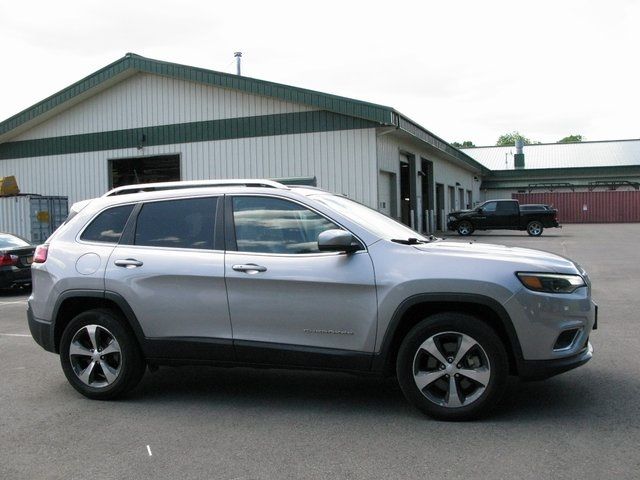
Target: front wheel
535 228
452 366
465 228
100 356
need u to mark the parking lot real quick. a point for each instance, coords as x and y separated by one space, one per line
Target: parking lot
258 424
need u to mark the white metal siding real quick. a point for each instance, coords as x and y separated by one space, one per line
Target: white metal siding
145 99
14 216
343 162
389 147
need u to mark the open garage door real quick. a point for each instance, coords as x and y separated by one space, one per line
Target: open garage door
157 168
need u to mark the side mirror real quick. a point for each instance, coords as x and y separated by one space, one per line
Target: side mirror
479 209
337 241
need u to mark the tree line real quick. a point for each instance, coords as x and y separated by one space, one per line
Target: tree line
509 140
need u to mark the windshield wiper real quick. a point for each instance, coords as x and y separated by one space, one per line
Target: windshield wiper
415 241
408 241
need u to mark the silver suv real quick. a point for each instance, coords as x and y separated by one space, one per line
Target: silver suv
254 273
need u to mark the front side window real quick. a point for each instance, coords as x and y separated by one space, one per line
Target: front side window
489 207
187 223
108 226
273 225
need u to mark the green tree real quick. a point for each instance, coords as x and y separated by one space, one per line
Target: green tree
465 144
509 139
572 139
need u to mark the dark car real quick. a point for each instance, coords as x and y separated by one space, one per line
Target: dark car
503 215
16 256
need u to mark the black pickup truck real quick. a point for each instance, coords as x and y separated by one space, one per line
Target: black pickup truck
503 215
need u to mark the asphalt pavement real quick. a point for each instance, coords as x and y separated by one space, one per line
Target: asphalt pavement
206 423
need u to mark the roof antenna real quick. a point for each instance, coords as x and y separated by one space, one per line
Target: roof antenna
238 56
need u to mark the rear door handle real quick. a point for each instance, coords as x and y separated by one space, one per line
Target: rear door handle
128 263
249 268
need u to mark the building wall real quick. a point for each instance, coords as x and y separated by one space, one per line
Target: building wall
144 99
343 161
391 148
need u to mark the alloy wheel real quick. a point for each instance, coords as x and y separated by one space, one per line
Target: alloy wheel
451 369
95 356
464 228
535 229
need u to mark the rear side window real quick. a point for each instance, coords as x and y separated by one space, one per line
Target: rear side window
507 208
108 226
187 223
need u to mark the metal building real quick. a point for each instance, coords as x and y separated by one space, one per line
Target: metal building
139 120
560 167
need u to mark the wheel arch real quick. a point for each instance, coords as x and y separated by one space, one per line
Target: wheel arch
417 307
73 302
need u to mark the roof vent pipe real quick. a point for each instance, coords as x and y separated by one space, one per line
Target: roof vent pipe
238 56
518 158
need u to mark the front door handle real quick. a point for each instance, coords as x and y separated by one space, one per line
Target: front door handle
128 263
250 268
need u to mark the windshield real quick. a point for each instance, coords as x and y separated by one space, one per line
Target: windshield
376 222
9 241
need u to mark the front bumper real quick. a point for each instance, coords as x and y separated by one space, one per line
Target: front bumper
41 331
532 370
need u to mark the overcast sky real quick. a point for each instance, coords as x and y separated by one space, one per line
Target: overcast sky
466 70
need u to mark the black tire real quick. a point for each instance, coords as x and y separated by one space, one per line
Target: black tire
129 360
465 228
492 351
535 228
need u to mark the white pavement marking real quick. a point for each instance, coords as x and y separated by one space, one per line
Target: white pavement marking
12 303
149 450
14 335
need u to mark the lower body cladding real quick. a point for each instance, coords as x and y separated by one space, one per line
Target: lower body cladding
553 330
535 334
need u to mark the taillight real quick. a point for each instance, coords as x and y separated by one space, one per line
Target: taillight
7 260
40 255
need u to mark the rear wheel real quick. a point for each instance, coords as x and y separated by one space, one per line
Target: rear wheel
465 228
452 366
535 228
100 356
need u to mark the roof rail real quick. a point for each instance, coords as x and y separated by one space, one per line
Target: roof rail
154 187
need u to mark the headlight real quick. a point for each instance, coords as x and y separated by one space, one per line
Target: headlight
551 282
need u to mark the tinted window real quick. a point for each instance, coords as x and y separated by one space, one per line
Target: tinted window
507 208
108 226
489 207
185 223
272 225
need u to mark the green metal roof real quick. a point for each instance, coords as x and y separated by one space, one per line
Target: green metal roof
512 179
380 114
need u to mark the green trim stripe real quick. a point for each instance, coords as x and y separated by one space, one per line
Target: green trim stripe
551 173
244 127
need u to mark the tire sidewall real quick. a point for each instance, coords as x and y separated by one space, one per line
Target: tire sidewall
130 355
480 332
